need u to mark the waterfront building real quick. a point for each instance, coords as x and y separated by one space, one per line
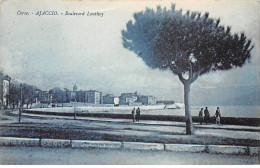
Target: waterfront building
43 96
136 99
147 100
93 96
110 99
166 102
4 90
80 96
128 98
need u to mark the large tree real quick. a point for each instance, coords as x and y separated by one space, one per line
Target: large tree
189 44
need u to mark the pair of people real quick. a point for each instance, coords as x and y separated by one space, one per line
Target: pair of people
206 117
136 114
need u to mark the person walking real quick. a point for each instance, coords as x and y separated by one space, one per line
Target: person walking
138 113
218 115
206 115
133 114
201 116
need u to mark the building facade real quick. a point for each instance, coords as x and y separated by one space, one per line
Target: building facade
93 96
147 100
127 98
4 90
136 99
43 96
110 99
80 96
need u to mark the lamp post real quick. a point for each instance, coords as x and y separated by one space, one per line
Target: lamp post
21 104
74 110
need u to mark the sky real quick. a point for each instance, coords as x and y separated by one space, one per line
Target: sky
59 51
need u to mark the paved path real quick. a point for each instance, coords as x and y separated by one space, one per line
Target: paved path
39 155
92 128
228 131
152 122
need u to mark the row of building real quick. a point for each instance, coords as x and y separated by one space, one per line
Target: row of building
58 95
94 97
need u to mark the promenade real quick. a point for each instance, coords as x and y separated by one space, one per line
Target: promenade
124 133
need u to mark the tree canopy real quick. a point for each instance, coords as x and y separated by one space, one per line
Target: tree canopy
29 94
189 43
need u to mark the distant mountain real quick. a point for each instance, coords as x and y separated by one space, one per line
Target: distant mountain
235 95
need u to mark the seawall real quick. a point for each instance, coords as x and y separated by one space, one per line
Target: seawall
224 120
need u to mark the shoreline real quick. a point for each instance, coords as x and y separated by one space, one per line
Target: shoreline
224 120
251 111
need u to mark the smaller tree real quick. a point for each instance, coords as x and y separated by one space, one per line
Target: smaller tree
13 95
29 94
58 95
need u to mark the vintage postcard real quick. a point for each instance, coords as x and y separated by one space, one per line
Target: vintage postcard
111 82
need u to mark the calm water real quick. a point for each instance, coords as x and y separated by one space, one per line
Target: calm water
252 111
226 111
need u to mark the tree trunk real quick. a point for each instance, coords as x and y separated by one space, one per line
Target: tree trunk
188 117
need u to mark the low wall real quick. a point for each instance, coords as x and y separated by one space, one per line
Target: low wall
224 120
88 144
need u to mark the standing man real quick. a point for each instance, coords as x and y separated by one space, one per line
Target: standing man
138 113
206 115
133 114
201 116
218 115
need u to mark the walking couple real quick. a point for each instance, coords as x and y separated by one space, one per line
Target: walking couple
136 114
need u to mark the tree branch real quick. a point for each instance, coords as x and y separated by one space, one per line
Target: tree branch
181 78
193 78
190 72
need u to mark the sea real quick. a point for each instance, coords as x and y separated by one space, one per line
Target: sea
243 111
248 111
